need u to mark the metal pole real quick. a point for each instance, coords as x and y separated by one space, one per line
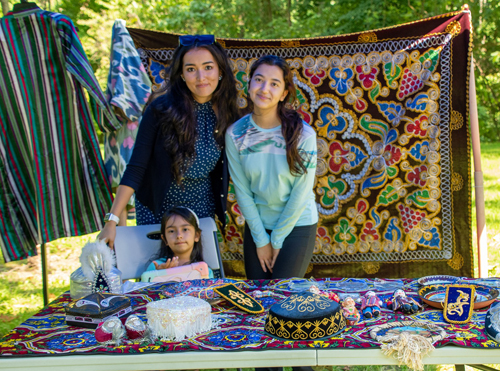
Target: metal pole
45 276
43 252
482 242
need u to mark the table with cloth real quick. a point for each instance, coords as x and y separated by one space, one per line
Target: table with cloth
40 340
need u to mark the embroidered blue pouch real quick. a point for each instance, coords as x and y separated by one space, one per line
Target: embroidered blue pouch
459 303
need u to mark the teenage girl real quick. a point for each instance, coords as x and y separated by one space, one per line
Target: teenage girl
272 161
180 240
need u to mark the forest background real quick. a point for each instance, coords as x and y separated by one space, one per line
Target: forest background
276 19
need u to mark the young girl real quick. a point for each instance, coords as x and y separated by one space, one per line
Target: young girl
272 162
180 240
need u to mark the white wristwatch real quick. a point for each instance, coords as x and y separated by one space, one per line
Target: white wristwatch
112 217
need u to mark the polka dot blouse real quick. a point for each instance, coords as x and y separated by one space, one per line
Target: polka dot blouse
195 191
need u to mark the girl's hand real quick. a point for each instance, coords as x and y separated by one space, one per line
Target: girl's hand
108 234
170 263
275 255
265 255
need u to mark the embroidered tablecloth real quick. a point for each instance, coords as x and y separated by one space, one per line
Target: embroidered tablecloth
46 333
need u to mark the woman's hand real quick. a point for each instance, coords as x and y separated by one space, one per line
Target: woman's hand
170 263
108 234
265 255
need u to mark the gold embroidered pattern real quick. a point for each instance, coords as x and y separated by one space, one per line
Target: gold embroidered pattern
238 266
457 182
337 322
453 28
456 120
456 262
458 306
290 44
371 267
308 330
368 37
240 298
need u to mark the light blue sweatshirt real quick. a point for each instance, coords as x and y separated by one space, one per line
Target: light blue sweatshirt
268 195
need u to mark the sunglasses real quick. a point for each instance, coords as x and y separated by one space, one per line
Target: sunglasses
188 40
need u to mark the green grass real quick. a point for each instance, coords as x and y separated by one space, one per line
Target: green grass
490 162
21 284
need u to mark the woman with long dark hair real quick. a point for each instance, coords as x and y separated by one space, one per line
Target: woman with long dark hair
179 156
272 161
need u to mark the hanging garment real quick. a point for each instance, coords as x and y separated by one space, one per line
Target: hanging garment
52 178
129 88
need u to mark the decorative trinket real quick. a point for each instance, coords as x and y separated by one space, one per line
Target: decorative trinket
110 331
238 297
403 303
135 327
97 272
330 295
370 305
257 294
350 312
95 308
459 303
178 318
408 341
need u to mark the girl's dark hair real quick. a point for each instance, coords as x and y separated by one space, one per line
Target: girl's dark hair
188 216
291 120
177 119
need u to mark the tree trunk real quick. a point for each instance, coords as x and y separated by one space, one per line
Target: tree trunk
5 6
268 9
289 12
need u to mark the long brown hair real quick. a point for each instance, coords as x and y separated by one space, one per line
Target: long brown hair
176 112
291 120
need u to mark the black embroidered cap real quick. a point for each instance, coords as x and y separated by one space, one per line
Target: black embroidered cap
305 316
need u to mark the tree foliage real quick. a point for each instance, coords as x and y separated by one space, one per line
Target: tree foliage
265 19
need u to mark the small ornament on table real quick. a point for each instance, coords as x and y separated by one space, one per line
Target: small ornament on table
403 303
257 294
136 328
110 331
350 312
370 305
330 295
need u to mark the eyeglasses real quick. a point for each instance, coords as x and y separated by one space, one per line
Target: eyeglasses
188 40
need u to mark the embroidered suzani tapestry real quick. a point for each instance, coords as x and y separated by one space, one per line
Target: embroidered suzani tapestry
390 108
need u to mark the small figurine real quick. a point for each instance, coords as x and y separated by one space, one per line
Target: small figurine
350 312
370 305
330 295
403 303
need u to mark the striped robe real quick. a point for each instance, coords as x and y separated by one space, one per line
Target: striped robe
52 178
